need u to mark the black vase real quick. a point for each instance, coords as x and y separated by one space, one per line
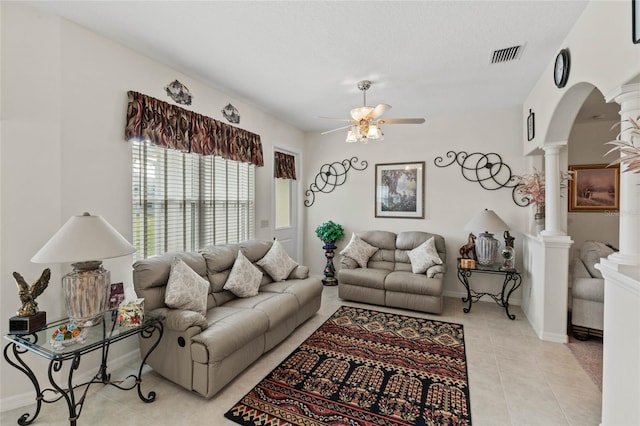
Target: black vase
329 269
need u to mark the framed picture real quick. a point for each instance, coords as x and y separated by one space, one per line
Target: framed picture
531 126
400 190
116 295
594 188
635 20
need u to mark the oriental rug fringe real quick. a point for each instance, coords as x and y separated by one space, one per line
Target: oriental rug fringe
363 367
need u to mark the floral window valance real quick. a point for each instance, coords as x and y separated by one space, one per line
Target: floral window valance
284 166
170 126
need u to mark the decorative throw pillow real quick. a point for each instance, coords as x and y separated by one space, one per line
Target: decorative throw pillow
186 289
424 257
277 262
244 278
359 250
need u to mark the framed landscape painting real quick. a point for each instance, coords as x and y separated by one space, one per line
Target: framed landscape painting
400 190
594 188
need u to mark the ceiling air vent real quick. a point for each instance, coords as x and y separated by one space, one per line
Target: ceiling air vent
507 54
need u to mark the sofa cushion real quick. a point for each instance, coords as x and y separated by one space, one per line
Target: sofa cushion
304 292
408 282
230 329
278 307
363 277
186 289
359 250
424 256
150 275
277 262
244 278
300 272
591 252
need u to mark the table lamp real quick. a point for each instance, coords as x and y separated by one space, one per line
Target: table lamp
486 245
84 241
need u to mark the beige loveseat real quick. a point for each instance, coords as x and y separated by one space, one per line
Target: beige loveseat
388 279
204 353
587 290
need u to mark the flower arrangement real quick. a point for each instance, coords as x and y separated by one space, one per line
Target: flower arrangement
531 187
629 150
329 231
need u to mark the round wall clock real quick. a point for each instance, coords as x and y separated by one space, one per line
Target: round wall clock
561 68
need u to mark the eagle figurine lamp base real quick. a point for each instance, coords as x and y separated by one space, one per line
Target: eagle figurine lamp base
27 324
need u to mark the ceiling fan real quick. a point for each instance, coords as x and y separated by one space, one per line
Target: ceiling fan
364 124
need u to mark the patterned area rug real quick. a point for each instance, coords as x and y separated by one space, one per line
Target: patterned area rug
363 367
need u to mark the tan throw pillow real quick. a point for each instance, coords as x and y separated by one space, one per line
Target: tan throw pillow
359 250
277 262
186 289
244 278
424 257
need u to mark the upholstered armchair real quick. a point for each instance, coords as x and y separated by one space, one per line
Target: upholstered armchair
587 290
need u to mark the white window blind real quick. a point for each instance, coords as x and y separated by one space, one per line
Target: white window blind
184 202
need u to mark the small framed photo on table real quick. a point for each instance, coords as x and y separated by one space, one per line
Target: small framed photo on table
400 190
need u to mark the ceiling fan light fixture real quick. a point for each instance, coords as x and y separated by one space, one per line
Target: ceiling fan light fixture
351 136
374 133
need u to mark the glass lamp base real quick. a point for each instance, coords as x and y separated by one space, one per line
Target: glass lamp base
86 293
486 248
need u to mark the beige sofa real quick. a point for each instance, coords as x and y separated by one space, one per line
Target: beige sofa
204 353
587 290
388 279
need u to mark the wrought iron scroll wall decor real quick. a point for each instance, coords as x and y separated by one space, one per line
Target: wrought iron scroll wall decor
331 176
488 170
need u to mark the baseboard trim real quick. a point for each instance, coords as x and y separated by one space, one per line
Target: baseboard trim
28 398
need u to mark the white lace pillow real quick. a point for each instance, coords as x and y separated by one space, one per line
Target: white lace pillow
359 250
244 278
277 262
424 257
186 289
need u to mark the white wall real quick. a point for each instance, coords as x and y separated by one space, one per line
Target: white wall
63 114
450 200
586 146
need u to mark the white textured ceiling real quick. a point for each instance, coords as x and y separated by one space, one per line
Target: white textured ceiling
302 59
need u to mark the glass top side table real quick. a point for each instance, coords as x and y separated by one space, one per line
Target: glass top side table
512 281
98 337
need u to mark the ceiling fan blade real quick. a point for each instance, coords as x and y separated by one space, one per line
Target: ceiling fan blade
378 111
359 113
335 130
334 118
401 121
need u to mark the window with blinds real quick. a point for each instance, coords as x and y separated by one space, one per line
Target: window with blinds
185 202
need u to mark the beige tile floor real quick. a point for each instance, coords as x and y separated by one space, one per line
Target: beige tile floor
514 379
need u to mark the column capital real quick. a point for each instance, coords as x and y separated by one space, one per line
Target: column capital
621 92
553 147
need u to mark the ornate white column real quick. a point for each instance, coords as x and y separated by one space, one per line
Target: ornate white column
552 204
628 97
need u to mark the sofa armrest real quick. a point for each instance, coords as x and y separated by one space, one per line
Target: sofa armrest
181 320
437 271
348 263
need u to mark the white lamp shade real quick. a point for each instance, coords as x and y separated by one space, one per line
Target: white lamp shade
82 239
486 221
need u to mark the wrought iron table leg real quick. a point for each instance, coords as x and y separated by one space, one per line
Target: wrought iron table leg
146 334
462 277
75 408
17 350
515 279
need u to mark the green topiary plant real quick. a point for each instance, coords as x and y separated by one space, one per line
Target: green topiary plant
329 231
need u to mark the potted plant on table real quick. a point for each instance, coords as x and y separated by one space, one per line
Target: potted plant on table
329 232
